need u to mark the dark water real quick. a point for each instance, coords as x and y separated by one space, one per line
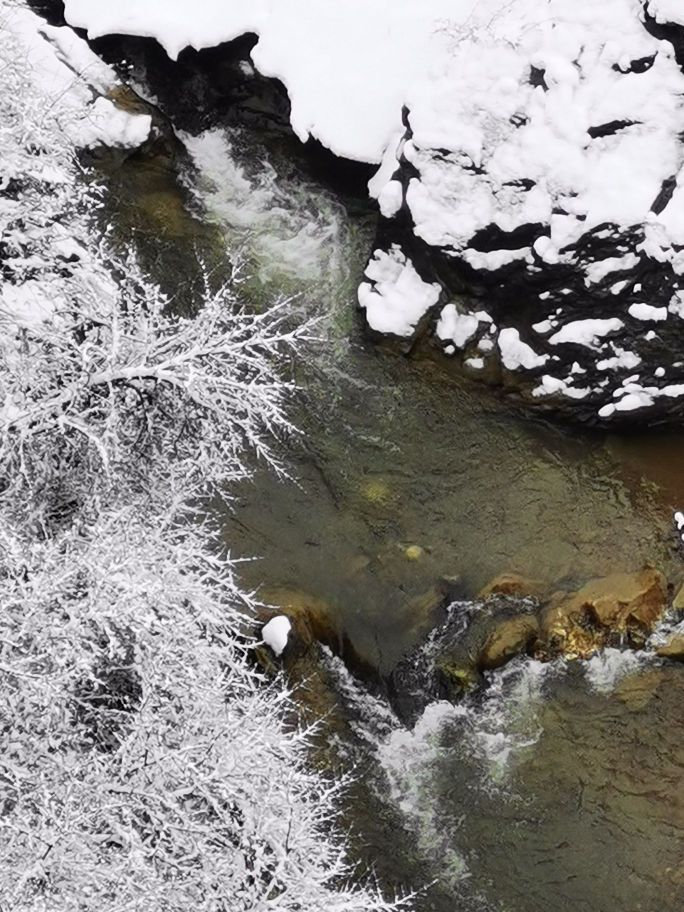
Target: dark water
558 792
552 791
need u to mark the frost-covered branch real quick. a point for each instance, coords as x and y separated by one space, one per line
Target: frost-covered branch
144 763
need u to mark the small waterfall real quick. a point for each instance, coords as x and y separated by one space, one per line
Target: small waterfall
289 230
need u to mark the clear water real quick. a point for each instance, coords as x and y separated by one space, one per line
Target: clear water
561 787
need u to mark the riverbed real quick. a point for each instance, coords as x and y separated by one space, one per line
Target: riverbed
561 785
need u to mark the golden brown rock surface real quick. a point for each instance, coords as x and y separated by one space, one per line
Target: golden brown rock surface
510 638
513 584
673 649
620 604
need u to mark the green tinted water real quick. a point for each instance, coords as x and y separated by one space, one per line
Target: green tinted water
407 473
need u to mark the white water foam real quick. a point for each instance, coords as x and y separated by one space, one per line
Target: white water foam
607 668
489 733
409 759
371 717
289 227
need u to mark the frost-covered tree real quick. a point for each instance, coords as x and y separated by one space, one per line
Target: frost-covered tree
144 763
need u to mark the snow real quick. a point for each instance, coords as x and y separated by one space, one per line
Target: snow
396 297
27 305
621 359
391 198
456 327
550 385
76 82
647 312
676 305
596 272
634 400
347 67
276 632
494 259
666 11
586 332
515 353
489 148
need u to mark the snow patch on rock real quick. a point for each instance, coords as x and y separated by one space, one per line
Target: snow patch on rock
276 632
395 297
515 353
586 332
77 82
647 312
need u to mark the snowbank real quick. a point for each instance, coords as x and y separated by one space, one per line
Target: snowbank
666 11
347 66
75 81
542 165
554 114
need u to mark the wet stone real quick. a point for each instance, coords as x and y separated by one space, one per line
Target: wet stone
513 637
673 649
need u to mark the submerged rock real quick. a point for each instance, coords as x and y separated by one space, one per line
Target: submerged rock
533 219
513 584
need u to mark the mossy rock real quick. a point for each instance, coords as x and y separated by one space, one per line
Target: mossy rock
456 680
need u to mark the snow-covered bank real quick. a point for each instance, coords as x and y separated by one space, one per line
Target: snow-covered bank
532 194
76 82
540 174
347 68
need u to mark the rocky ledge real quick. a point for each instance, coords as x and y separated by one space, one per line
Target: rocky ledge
515 617
533 211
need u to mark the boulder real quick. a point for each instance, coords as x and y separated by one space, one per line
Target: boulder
312 620
480 636
511 638
512 584
532 222
623 605
475 636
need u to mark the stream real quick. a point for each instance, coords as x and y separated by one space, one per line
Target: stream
561 785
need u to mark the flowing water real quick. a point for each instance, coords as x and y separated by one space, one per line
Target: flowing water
560 786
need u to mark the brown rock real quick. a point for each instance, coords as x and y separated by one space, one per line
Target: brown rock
673 649
678 601
312 618
618 603
512 584
509 639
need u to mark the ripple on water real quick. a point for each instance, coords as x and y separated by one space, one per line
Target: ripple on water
558 788
562 789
